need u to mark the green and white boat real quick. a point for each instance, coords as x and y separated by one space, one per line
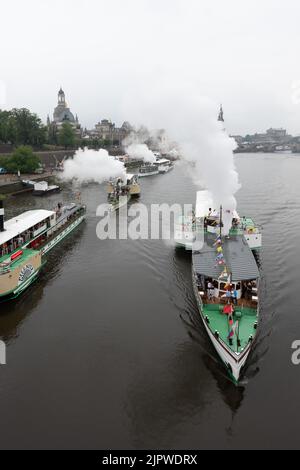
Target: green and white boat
121 190
186 225
25 241
226 286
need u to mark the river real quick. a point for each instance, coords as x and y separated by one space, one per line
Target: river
106 349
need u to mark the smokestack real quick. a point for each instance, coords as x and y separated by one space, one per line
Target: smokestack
1 216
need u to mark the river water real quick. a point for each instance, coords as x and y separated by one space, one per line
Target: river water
106 349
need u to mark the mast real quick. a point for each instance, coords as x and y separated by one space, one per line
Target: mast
221 114
221 210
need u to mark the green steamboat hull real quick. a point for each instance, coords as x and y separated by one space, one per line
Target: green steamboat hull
232 354
33 268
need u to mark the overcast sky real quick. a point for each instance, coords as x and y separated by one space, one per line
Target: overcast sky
244 54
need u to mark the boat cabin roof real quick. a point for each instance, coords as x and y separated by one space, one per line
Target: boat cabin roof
239 258
17 225
162 160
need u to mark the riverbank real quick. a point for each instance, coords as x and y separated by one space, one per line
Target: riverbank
12 184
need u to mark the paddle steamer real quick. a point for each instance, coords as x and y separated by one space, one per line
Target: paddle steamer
25 241
226 286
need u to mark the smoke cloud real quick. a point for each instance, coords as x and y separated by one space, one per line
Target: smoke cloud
136 147
140 152
191 120
92 166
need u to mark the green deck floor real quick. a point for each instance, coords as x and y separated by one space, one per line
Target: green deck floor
27 253
218 321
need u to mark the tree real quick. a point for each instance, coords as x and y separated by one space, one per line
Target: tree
66 136
29 129
52 136
23 160
21 127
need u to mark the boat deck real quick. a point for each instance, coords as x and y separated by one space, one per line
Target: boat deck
218 321
27 253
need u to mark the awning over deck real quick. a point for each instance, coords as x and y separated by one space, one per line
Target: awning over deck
239 259
23 222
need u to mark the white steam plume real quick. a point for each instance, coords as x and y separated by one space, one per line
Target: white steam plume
92 166
140 152
136 148
191 121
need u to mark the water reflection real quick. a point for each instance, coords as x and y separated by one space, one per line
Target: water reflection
13 313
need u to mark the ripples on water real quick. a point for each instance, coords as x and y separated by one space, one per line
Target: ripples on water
107 349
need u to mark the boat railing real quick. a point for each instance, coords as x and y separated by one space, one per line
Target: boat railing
5 268
252 230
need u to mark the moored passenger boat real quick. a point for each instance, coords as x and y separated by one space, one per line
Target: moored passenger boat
42 188
25 241
149 169
164 165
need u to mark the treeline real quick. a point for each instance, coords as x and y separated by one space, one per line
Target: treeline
23 160
21 127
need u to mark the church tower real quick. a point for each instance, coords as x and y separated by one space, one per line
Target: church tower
61 98
221 115
62 114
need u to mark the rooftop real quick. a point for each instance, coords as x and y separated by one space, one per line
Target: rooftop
239 259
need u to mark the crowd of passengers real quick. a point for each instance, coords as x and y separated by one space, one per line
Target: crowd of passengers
231 292
18 241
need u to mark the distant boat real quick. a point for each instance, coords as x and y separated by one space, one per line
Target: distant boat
149 169
120 191
28 183
164 165
129 181
42 188
283 149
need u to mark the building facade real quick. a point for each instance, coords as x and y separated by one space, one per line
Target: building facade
63 114
105 130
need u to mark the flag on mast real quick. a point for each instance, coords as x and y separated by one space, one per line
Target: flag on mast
233 329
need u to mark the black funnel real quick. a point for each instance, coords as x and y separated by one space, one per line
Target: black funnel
1 216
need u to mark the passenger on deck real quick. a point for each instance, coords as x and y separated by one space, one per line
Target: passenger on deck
228 296
210 291
228 309
234 296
